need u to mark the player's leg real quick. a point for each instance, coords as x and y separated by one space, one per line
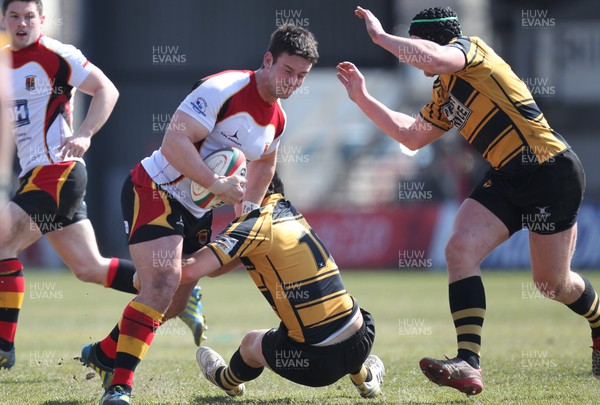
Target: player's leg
76 245
17 232
155 243
100 356
551 266
477 231
368 378
32 213
553 234
246 364
159 280
72 235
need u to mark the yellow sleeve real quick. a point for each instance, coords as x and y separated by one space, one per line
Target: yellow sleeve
249 235
478 63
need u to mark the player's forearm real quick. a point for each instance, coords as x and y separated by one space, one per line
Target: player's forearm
260 173
101 106
393 123
182 154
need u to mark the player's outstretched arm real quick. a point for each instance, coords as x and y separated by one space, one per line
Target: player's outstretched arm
422 54
204 263
104 97
410 132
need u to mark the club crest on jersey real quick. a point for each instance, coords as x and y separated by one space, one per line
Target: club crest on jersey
30 83
456 112
199 105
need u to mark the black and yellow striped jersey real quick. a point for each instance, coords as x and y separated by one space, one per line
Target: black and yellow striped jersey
291 267
493 110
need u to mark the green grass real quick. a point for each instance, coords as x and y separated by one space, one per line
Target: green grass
535 351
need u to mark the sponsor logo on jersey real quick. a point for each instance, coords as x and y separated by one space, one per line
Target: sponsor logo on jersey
232 138
456 112
30 83
199 105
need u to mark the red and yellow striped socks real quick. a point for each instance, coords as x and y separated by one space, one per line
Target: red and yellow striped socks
12 290
137 328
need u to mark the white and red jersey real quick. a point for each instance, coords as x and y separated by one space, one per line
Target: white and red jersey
44 78
229 106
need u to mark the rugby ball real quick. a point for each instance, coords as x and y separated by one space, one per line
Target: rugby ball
223 162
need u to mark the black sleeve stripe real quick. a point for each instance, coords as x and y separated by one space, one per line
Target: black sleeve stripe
524 101
477 64
223 109
432 123
198 84
530 111
215 252
474 54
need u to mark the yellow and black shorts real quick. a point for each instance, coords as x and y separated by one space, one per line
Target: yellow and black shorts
545 199
52 195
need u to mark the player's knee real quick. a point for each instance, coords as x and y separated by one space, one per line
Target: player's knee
166 280
550 287
249 339
250 345
458 252
88 272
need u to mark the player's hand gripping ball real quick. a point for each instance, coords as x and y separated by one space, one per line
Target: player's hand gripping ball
223 162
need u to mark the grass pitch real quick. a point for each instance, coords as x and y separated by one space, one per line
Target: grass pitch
535 351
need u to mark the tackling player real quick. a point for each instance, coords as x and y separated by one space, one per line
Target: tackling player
535 181
235 108
323 334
